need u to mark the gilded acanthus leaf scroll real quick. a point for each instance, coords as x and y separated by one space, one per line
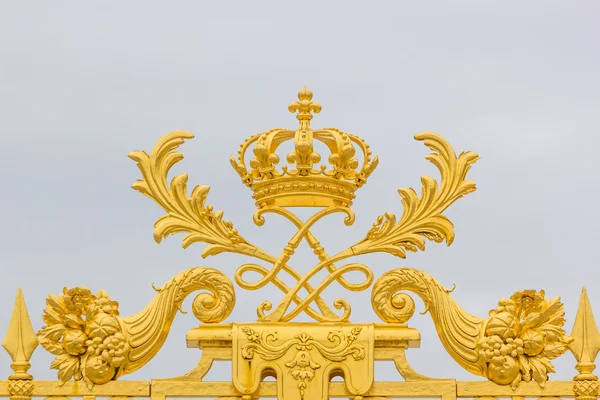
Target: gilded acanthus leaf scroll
185 214
275 191
93 343
422 217
201 224
515 343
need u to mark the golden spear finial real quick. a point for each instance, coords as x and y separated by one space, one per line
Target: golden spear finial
585 347
20 342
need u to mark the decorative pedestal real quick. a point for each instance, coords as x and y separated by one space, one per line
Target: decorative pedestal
303 357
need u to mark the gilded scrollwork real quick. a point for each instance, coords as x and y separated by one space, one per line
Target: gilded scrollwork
422 217
332 189
185 214
303 357
515 343
93 343
201 224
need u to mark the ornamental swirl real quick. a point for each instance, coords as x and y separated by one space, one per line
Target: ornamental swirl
94 344
301 366
516 342
421 219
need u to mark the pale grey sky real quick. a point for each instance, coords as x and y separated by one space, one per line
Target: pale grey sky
84 83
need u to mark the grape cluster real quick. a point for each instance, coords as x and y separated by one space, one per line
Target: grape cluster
112 349
104 304
494 349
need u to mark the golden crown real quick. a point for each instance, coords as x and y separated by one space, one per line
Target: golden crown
304 185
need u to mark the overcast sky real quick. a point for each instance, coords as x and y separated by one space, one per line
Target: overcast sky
84 83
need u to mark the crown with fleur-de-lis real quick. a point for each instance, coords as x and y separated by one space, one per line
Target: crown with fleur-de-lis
303 183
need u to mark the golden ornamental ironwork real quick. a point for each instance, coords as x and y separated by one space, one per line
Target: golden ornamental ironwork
94 346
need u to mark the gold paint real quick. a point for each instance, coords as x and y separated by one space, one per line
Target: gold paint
94 345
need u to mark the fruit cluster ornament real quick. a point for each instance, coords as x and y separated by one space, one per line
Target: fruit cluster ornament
84 333
521 336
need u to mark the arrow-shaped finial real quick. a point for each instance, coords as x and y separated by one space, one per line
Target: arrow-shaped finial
586 338
20 340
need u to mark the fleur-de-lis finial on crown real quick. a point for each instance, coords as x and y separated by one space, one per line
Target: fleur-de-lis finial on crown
305 106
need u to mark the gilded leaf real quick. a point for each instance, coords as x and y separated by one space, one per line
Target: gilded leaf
73 321
49 336
54 312
51 317
56 363
55 304
514 384
88 382
553 311
546 363
552 332
184 214
68 368
53 348
51 333
554 350
422 218
538 371
525 368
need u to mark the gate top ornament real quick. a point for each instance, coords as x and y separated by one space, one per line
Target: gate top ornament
94 345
